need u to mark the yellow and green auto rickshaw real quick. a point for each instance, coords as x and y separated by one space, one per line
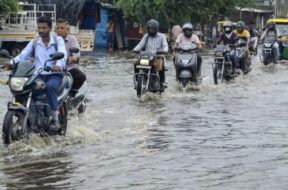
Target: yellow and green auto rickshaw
281 25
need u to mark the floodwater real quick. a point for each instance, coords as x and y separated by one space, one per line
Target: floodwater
230 136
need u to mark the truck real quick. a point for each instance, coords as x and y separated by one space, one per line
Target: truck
18 29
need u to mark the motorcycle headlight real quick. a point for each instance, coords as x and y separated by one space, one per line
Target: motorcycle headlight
144 62
267 44
17 83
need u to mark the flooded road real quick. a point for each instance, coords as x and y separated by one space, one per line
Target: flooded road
230 136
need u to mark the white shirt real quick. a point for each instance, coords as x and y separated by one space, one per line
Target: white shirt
42 53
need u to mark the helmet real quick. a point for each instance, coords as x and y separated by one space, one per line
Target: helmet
240 25
152 27
271 26
187 30
228 27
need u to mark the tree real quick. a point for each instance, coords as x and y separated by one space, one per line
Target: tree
170 12
7 6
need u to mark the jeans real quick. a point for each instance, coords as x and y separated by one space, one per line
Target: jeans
233 58
52 83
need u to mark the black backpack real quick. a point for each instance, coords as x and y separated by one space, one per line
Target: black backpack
35 44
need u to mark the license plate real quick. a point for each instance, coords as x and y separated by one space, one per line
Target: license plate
266 50
143 67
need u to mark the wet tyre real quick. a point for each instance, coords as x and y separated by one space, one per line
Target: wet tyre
266 60
12 127
216 72
63 118
139 86
184 82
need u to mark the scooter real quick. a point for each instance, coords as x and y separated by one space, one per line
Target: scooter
186 65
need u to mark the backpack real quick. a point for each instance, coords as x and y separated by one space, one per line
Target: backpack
35 44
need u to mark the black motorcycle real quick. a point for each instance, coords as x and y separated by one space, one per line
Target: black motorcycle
222 67
240 56
147 78
268 52
186 64
27 112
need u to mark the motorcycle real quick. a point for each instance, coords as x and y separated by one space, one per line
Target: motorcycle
268 52
29 112
240 56
147 79
222 67
76 106
186 65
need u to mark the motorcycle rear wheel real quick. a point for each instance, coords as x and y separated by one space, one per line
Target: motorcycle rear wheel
63 118
12 127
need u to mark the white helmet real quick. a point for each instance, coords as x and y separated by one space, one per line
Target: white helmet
228 27
188 30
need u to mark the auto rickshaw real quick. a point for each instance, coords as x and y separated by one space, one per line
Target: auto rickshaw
281 25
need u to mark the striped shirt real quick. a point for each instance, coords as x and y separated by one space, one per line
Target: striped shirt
157 43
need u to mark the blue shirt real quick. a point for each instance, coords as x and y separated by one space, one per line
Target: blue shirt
42 53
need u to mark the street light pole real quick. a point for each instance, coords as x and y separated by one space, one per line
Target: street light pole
275 8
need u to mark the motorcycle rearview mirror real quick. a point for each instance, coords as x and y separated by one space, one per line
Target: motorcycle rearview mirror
74 50
56 56
4 53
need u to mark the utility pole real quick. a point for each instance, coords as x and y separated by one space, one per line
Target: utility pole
274 3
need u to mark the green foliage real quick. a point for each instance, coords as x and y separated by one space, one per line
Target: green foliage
7 6
170 12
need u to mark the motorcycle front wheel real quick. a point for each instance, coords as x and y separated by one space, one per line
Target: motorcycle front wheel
140 86
216 73
184 82
266 60
12 127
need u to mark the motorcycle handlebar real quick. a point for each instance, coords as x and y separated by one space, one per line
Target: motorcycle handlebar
157 53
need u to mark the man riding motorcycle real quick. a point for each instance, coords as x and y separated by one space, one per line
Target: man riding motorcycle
47 44
154 41
244 34
271 32
228 37
188 37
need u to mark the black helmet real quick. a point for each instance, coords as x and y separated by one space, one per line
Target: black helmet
228 27
188 30
152 27
271 26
